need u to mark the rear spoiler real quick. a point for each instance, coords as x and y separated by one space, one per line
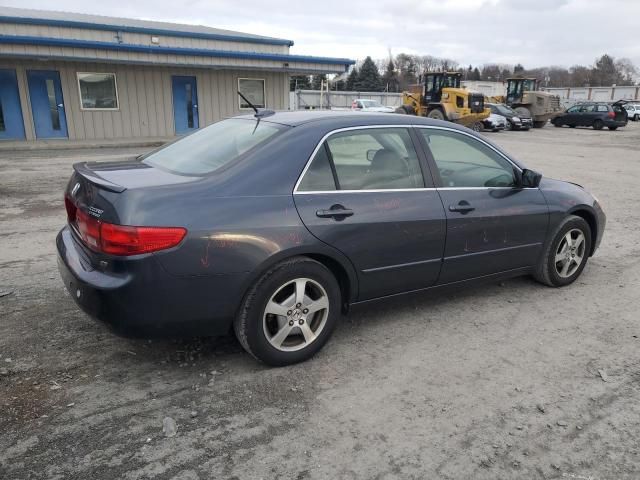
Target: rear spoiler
87 173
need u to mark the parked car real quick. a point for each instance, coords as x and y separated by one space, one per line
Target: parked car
593 114
494 122
514 120
366 105
633 111
274 226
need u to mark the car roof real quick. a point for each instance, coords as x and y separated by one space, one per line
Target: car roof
303 117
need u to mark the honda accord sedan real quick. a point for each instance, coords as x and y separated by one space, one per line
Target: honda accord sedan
273 225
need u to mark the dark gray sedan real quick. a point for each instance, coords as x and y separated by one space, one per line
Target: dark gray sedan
276 225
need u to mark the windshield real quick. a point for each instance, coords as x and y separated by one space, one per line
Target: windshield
371 103
504 110
212 147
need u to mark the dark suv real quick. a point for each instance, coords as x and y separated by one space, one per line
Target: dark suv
593 114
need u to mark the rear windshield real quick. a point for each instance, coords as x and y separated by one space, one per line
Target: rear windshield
213 147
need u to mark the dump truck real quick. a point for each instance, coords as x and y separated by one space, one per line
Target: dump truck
440 96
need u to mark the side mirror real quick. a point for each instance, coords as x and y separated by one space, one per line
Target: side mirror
530 179
371 153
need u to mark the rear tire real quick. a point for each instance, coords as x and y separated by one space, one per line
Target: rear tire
561 264
598 124
636 117
539 124
572 126
613 128
277 323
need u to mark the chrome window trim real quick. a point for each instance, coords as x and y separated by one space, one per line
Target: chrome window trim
317 192
364 127
347 129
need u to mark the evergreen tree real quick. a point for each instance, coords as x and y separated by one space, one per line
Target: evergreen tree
390 78
476 74
318 81
299 82
369 78
518 69
352 79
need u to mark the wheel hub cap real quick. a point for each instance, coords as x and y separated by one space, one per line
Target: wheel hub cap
296 314
570 253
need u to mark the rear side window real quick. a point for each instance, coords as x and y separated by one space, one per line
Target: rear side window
365 159
213 147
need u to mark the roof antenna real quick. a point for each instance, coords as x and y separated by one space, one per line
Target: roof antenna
260 112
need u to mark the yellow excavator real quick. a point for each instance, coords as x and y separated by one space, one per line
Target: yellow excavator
441 97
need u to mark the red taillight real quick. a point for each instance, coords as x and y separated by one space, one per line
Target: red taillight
71 209
121 239
611 115
126 240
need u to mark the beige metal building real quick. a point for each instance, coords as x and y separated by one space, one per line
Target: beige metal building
86 77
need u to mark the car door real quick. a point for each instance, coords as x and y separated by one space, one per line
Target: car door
587 115
571 115
364 192
492 225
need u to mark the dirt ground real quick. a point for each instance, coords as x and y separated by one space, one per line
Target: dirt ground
505 381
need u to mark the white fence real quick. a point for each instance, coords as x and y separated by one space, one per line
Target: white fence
570 95
314 99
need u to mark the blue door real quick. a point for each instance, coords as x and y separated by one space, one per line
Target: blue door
185 104
47 104
11 123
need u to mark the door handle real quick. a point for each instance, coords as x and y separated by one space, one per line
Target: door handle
461 208
338 213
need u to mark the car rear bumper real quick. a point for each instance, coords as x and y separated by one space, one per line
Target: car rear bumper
143 300
614 123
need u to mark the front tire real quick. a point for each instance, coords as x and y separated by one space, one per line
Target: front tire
436 114
290 313
613 128
566 255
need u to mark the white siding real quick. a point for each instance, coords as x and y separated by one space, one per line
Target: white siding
145 97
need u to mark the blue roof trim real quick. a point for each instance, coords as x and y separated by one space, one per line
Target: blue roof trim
62 42
150 30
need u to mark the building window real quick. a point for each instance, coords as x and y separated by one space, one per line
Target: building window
253 89
98 91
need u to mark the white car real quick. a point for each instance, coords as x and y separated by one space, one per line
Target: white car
366 105
494 122
633 111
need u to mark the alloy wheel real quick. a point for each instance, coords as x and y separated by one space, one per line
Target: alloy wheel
570 253
295 314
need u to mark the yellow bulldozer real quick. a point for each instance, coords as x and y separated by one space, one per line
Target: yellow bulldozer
440 96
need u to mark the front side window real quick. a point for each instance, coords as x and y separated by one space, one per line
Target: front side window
463 161
365 159
602 108
253 89
574 109
98 91
587 108
213 147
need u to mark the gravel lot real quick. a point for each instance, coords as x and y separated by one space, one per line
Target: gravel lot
514 380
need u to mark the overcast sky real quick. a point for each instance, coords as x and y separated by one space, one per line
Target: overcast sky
532 32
